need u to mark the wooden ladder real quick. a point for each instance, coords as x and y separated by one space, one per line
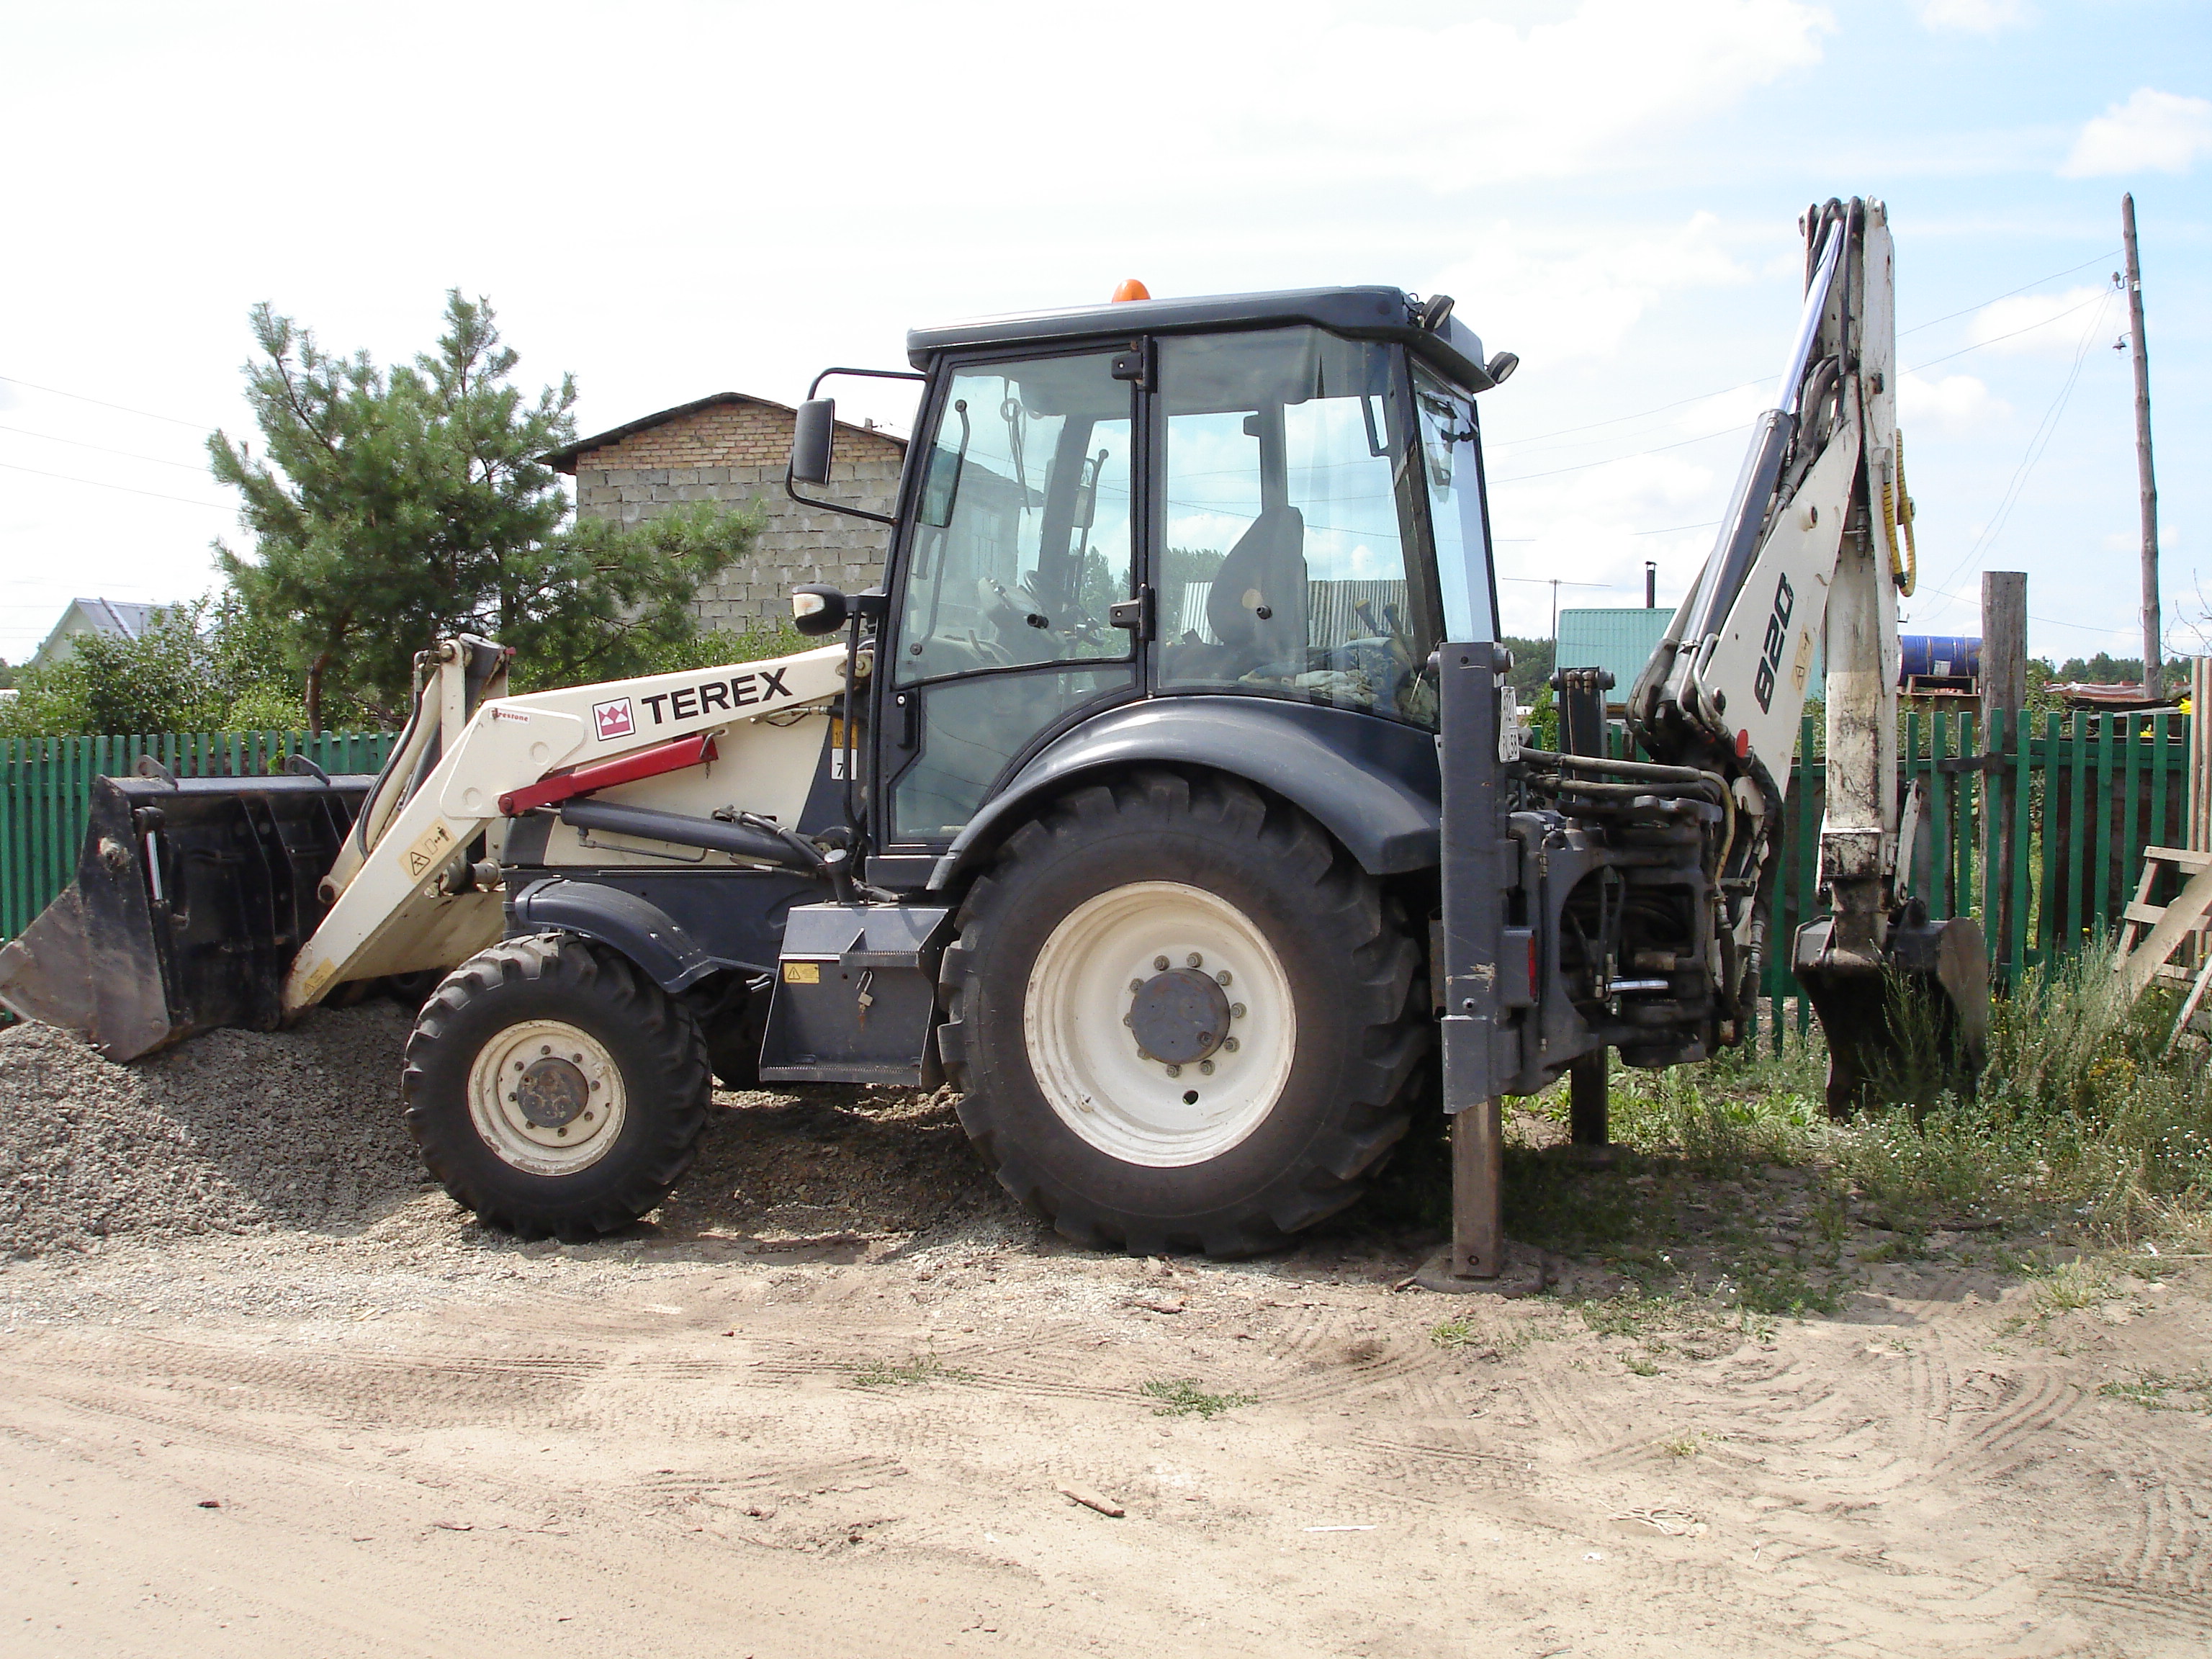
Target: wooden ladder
2151 933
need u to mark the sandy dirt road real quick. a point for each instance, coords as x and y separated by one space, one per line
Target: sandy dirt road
733 1435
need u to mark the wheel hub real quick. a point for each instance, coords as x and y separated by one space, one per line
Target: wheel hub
1179 1016
552 1093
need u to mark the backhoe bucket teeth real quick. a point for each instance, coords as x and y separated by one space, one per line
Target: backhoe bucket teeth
1906 1024
192 897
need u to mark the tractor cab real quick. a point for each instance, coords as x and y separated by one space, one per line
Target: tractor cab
1220 520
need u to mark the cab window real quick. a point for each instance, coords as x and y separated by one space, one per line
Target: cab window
1284 566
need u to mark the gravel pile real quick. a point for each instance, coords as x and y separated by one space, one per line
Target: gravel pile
233 1132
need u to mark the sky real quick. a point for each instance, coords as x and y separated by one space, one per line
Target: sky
672 200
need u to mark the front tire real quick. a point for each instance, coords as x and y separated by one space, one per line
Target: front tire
554 1090
1095 961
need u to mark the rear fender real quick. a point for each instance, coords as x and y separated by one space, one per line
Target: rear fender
1371 783
667 951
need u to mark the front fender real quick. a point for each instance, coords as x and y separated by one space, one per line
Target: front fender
640 930
1371 783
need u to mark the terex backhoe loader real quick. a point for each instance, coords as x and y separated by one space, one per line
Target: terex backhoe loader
1168 799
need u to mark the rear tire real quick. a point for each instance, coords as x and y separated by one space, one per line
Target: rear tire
1230 1154
553 1089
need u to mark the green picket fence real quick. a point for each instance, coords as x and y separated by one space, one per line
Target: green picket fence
2037 830
45 791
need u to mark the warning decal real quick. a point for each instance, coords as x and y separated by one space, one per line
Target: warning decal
429 852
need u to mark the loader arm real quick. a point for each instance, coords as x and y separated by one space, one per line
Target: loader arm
415 899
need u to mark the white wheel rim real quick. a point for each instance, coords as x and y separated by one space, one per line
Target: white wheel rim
570 1080
1086 1060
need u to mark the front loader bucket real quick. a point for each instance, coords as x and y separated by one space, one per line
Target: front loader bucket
1910 1022
192 896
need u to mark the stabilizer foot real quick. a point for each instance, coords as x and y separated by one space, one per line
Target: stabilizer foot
1526 1272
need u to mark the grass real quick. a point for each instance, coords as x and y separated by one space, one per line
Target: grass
1736 1190
921 1368
1180 1397
2154 1391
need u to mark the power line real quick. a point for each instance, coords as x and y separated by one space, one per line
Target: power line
55 392
1566 431
2037 445
2022 288
79 443
100 484
2056 317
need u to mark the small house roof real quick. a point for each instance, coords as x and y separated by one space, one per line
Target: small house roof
564 459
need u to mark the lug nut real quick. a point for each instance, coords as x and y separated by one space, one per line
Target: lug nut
1206 1066
1236 1011
1161 964
1230 1044
1175 1071
1128 1019
1135 986
1222 978
1195 960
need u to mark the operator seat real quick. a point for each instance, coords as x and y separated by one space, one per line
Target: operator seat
1257 605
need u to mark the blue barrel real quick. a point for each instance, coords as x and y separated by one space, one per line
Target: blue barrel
1940 656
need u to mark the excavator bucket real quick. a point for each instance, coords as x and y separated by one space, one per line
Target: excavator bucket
192 896
1906 1024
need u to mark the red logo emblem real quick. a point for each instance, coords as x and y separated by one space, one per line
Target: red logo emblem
613 719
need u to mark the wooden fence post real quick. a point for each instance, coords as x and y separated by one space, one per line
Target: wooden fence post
2200 754
2004 691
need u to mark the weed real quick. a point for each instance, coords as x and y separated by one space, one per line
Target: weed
1641 1365
1780 1289
2153 1391
1461 1333
2071 1287
1180 1397
1688 1444
922 1368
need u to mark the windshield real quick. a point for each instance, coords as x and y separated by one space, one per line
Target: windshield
1451 462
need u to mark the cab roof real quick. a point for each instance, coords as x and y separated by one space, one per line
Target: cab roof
1362 314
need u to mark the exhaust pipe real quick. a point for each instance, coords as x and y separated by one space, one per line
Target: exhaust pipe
192 896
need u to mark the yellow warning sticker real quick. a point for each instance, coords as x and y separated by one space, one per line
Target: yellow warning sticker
312 987
1801 669
429 852
802 973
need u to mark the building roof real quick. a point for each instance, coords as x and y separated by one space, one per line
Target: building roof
1369 313
119 619
564 459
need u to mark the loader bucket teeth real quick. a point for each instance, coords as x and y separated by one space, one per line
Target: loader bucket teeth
191 898
1910 1024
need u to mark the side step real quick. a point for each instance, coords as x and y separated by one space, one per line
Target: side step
192 896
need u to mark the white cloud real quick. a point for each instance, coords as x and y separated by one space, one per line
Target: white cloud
1954 402
2153 131
2030 323
1552 299
1554 100
1972 16
1725 410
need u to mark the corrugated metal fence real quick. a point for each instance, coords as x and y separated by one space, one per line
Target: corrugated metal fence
45 789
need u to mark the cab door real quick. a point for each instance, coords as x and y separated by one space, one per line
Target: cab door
1005 628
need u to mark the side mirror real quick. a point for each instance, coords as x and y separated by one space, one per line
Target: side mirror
812 436
816 609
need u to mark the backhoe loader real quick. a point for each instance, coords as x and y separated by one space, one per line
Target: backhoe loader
1168 799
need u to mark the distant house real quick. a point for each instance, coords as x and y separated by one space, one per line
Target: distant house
119 619
734 448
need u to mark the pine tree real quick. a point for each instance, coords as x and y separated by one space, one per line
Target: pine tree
390 508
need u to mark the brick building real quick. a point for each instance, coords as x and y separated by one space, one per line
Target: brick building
733 448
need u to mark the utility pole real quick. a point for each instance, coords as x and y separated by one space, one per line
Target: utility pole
2146 483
